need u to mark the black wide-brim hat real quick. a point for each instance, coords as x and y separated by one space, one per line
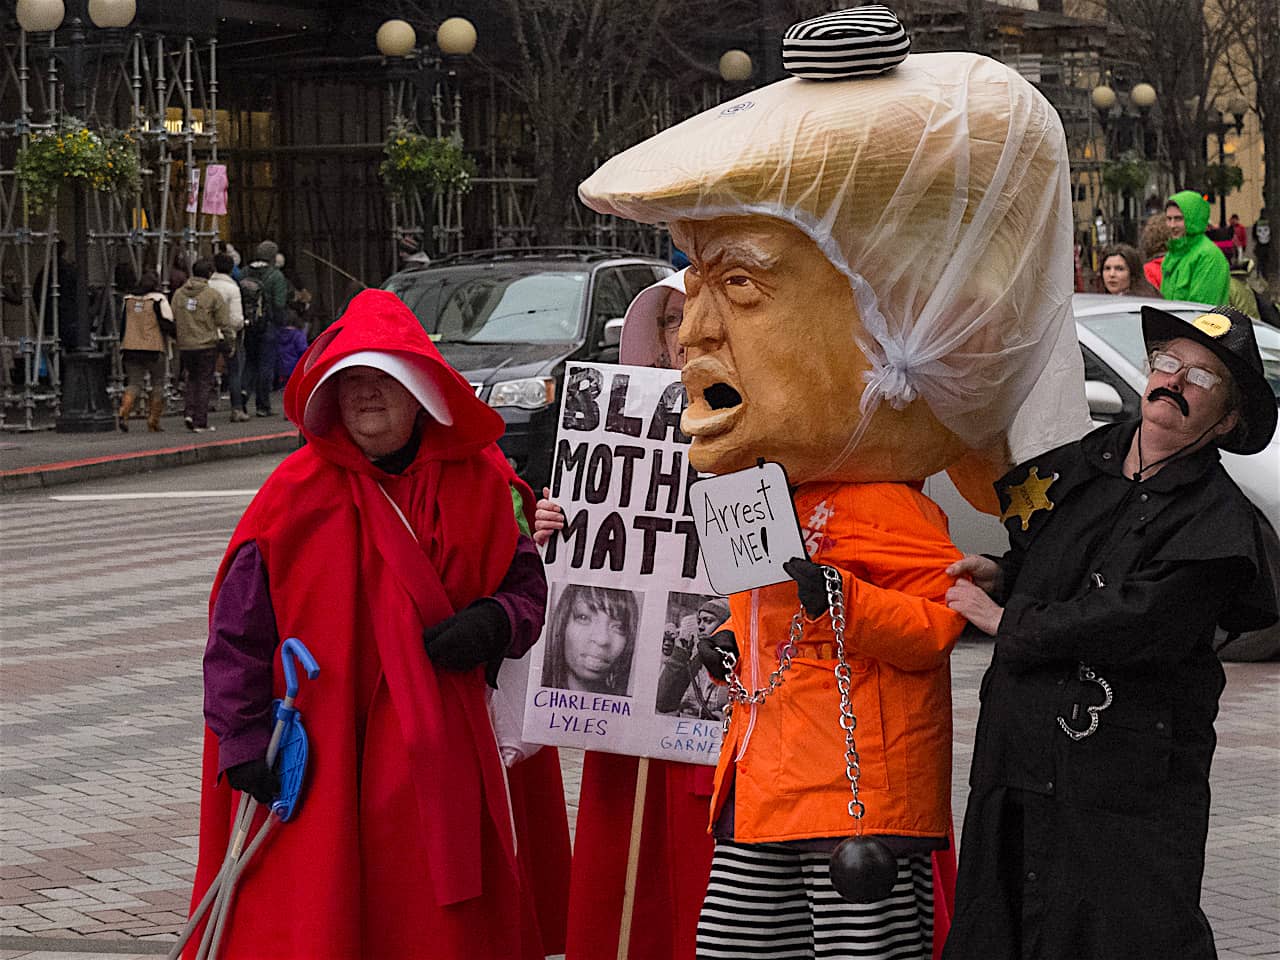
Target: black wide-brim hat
1229 334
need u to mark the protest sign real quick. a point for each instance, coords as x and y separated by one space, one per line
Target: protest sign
617 668
747 527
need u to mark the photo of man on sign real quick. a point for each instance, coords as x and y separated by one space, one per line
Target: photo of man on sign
685 689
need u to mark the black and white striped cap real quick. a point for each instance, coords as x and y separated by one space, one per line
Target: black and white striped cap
859 42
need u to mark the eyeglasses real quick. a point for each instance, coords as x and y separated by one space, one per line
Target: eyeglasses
1199 376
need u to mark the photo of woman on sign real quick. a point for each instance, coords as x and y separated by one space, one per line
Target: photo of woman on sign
592 640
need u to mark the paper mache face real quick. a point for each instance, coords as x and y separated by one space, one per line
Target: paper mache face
770 355
882 269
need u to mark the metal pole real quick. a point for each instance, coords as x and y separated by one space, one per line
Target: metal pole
1222 170
85 405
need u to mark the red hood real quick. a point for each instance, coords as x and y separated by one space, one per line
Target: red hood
379 320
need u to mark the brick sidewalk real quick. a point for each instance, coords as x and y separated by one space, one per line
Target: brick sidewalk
44 458
101 633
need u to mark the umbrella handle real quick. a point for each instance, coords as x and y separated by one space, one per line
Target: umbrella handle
293 647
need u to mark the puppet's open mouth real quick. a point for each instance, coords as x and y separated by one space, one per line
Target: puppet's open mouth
721 396
714 403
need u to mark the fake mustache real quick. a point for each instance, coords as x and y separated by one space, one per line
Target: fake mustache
1177 398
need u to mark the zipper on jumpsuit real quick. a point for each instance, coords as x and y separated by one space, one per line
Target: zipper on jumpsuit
755 671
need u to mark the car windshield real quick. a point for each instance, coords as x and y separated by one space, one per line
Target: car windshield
1123 332
495 306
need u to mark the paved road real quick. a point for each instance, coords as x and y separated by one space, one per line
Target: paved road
102 619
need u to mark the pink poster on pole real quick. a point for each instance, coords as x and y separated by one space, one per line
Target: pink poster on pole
215 189
193 189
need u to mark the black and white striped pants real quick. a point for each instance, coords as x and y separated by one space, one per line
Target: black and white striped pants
771 900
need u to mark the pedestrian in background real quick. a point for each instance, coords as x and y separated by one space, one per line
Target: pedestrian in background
1121 273
1239 236
291 344
1262 246
146 324
224 282
264 292
1152 244
179 270
203 321
1085 830
1194 268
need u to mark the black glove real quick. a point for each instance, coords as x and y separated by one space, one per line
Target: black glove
812 583
711 652
680 655
478 634
255 778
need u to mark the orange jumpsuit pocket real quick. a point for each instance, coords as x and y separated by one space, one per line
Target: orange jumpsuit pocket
813 747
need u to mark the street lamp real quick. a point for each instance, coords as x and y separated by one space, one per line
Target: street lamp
1120 139
1218 125
397 40
85 407
413 70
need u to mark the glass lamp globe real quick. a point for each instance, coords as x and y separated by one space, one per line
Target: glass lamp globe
456 37
35 16
1143 95
735 66
1103 97
112 13
396 38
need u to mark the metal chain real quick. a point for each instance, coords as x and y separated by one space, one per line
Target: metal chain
844 682
848 722
738 693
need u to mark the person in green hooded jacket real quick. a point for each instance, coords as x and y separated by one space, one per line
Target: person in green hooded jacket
1194 268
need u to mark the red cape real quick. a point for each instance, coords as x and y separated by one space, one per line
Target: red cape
412 854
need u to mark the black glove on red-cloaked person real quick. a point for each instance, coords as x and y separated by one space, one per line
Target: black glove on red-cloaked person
812 584
475 635
255 778
711 652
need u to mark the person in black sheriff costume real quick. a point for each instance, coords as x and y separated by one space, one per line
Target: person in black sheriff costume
1085 830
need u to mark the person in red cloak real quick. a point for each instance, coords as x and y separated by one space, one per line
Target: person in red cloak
389 546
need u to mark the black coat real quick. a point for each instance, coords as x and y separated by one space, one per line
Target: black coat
1094 847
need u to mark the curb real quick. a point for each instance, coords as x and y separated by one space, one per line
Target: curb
118 465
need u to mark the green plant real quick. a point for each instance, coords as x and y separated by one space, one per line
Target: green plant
104 161
1127 174
1222 178
417 162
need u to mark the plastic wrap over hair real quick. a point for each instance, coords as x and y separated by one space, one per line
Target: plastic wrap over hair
940 189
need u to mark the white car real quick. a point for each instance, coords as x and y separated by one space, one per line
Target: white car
1110 332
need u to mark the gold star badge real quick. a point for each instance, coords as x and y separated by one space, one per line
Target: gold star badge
1028 497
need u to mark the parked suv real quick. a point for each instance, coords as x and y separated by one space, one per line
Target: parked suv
509 319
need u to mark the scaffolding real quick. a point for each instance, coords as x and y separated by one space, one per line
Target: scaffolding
161 89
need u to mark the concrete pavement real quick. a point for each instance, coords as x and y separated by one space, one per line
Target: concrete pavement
102 620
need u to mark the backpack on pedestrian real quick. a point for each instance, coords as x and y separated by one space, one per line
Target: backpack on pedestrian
251 299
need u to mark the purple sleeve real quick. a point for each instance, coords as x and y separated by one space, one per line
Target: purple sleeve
523 595
238 661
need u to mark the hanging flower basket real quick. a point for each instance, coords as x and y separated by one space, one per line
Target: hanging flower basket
103 160
1222 178
1127 175
417 163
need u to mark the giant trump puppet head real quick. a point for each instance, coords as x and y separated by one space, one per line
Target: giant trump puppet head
881 269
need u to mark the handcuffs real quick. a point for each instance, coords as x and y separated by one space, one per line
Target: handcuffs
1086 673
